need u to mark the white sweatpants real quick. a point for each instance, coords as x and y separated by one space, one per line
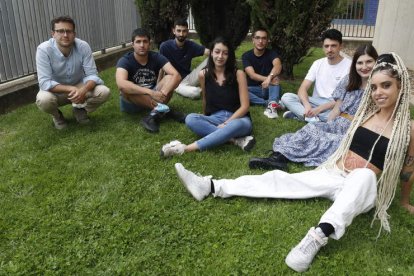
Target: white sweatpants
352 194
189 85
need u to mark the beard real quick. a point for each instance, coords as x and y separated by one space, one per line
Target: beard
181 38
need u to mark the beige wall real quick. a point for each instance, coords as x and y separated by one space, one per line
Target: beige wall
394 29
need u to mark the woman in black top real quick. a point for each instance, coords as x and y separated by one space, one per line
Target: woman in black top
225 105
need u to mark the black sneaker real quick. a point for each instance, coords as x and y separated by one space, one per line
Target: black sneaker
276 161
290 115
151 122
59 122
246 143
81 115
176 116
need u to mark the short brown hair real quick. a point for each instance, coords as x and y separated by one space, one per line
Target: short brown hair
261 30
64 18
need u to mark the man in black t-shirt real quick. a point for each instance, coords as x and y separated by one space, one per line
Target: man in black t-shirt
180 51
262 67
137 79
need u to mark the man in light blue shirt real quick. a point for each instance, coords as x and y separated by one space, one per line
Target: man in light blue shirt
67 74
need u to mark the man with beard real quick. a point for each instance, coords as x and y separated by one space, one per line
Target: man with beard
262 67
137 77
326 73
180 51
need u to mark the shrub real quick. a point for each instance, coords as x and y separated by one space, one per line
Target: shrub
157 16
293 25
226 18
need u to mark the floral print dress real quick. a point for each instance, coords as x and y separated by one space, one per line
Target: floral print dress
315 142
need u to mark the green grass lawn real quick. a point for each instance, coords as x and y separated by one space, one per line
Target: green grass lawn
97 199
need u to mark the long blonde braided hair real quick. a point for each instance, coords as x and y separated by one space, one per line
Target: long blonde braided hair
399 140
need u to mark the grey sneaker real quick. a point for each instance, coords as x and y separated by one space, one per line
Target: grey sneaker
301 256
246 143
198 186
172 148
152 121
59 122
81 115
290 115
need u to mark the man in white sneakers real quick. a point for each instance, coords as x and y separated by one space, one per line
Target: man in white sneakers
180 51
67 74
326 74
262 67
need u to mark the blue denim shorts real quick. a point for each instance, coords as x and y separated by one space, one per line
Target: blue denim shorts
129 107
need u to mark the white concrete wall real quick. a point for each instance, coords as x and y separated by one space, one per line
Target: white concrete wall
394 29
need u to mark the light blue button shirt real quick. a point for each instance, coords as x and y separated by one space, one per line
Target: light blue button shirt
54 68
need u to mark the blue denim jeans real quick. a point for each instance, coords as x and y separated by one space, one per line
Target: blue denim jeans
260 96
206 127
292 102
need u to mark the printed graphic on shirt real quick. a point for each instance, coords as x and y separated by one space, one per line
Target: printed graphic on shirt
145 77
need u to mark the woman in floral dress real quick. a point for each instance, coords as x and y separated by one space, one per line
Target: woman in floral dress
315 142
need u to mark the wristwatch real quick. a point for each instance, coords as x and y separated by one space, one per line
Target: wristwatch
272 75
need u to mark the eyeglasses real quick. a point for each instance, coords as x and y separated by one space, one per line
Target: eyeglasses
64 31
260 38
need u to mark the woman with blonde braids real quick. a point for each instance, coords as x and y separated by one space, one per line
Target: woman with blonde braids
362 173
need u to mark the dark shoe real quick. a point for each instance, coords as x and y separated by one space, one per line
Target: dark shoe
151 122
176 116
81 115
246 143
276 161
290 115
59 122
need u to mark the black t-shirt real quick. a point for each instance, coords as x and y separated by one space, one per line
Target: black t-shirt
262 65
181 58
142 75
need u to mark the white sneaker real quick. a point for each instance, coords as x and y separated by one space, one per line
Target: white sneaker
162 108
191 92
198 186
246 143
172 148
312 119
301 256
271 110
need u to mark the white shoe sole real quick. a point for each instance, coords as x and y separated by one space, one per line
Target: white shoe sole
270 115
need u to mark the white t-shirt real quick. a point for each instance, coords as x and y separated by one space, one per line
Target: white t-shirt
326 76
